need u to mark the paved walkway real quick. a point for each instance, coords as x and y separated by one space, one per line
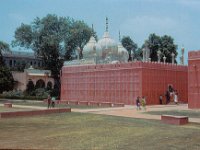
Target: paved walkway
127 111
130 111
24 106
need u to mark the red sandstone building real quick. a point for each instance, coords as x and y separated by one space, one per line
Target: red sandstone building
122 83
194 79
110 78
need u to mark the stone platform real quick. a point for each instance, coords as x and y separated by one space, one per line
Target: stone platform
176 120
33 112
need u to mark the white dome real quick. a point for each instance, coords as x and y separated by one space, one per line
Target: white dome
122 53
108 45
92 48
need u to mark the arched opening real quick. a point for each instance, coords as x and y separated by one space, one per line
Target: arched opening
40 84
30 86
49 85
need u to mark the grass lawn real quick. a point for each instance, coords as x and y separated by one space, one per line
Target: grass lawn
189 113
75 131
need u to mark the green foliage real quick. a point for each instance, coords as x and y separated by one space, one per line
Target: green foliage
51 38
80 35
129 45
6 79
164 43
4 47
41 93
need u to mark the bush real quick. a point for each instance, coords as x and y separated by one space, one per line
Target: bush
23 95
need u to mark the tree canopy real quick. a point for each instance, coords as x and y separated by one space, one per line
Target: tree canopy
6 78
4 47
163 43
130 45
52 38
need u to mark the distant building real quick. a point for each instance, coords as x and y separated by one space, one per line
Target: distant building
104 51
38 77
21 59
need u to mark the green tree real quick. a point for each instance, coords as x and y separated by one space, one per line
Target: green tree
129 45
80 35
6 79
45 37
167 48
51 38
165 44
4 47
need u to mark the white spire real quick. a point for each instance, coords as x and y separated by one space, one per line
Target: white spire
119 36
106 24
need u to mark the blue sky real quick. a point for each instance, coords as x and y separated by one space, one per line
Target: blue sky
135 18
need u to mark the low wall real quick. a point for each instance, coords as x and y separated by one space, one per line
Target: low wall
33 112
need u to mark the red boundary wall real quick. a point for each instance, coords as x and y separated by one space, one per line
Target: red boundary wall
33 112
122 83
194 79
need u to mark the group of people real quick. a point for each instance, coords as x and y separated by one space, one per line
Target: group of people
51 101
141 102
170 95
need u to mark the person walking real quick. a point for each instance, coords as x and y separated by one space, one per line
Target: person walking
160 99
143 103
176 97
49 101
138 103
53 102
167 95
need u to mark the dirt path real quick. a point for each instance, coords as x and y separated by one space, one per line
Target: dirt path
130 111
127 111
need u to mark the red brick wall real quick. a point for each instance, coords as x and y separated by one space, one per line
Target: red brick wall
157 76
194 79
122 83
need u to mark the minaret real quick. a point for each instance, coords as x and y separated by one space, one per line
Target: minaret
119 37
182 53
92 30
143 53
173 57
106 24
158 54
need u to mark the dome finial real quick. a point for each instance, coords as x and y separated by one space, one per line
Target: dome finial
92 30
106 24
119 36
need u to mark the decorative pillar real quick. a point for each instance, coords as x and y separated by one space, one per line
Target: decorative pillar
147 53
182 53
95 58
143 53
164 59
158 54
132 54
173 55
